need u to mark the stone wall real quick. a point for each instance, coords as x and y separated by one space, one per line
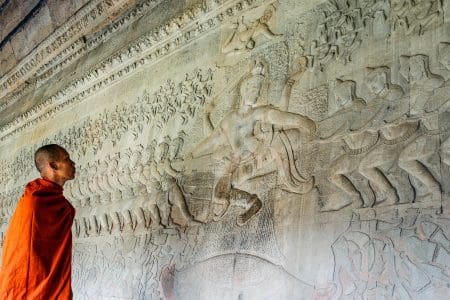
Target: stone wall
241 149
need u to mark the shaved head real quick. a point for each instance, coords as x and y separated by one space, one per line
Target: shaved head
47 153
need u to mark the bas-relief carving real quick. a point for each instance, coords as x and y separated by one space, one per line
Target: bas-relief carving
416 71
148 255
443 55
403 256
253 141
145 201
247 33
146 50
144 189
414 17
344 24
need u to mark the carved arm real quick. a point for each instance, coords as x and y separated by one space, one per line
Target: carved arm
284 118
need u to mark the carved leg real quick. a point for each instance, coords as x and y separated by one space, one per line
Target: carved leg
343 183
155 216
419 171
95 225
376 177
106 223
141 218
221 196
344 165
445 152
176 197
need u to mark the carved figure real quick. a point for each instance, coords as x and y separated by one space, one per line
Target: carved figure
242 131
151 180
445 151
351 113
411 159
403 144
415 16
244 36
344 104
167 176
389 106
391 254
444 55
356 146
415 69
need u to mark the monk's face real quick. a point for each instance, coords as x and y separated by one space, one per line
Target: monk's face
65 166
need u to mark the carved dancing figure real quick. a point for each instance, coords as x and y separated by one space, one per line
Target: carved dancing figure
244 35
240 130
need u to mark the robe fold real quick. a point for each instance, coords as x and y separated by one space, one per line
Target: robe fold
37 251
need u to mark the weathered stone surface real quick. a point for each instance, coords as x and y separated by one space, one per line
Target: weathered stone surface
61 11
33 33
244 149
12 13
7 58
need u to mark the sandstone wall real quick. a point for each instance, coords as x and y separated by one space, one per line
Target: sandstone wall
242 149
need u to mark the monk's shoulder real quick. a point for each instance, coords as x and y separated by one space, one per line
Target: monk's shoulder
27 201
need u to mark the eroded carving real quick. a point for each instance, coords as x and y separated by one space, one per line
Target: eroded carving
404 257
443 54
343 25
416 70
415 17
247 32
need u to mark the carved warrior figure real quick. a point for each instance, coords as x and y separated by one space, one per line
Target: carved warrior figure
168 178
416 70
396 144
352 113
243 132
401 144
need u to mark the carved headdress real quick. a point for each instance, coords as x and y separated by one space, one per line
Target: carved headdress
256 77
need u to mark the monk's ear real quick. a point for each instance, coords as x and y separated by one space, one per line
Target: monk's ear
53 165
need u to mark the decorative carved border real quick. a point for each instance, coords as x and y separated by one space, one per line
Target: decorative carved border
73 52
146 50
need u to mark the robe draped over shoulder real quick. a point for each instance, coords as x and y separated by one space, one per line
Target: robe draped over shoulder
37 251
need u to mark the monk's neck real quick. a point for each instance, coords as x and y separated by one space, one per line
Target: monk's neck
58 181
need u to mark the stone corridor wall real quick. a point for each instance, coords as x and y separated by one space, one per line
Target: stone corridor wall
242 149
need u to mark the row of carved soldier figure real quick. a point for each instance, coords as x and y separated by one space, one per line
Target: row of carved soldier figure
373 153
137 175
407 144
128 220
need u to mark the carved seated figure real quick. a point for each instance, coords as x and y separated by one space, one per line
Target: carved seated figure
240 132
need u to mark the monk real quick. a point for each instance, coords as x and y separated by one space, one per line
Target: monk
37 251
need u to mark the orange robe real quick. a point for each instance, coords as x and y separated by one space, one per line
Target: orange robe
37 252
